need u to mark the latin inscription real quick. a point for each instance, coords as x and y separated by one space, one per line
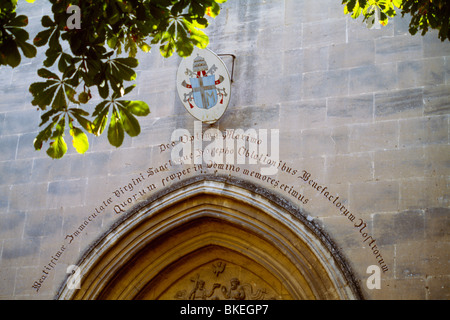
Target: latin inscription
160 175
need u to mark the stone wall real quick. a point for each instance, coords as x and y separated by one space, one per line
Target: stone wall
364 112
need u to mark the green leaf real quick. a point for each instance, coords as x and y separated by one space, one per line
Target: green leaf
115 131
129 62
130 123
138 108
83 97
397 3
60 99
43 93
44 135
58 148
12 53
19 21
28 50
44 73
80 140
47 22
47 115
42 37
214 10
99 123
103 89
19 34
85 123
112 42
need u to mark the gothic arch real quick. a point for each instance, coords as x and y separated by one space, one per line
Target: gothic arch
195 238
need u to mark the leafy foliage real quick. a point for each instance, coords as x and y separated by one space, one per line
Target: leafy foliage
13 35
425 14
101 56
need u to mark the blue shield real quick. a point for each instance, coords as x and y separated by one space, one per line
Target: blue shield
205 93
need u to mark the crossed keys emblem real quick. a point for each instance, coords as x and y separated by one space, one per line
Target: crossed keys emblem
205 93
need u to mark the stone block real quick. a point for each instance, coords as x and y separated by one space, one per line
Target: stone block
30 196
322 84
372 78
17 122
324 32
15 172
438 162
24 279
292 62
92 164
352 109
20 252
433 46
418 193
302 11
403 289
423 131
156 131
341 226
401 25
398 48
418 258
353 54
447 70
43 223
25 147
275 36
319 142
398 104
267 88
349 168
292 37
373 197
8 145
17 92
12 224
260 117
129 161
419 73
301 115
398 164
315 59
437 100
4 198
357 31
8 279
437 223
157 81
66 193
373 136
437 288
401 227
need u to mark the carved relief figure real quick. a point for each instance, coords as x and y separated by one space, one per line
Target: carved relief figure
200 292
236 290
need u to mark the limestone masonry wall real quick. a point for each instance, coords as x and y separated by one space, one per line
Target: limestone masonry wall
363 116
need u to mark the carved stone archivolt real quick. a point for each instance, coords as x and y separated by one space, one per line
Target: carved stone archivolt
223 286
213 240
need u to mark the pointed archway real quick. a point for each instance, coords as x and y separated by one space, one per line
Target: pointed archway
214 238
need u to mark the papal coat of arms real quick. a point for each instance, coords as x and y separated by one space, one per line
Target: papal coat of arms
203 85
